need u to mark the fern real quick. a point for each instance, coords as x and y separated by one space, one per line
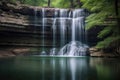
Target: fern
105 32
105 43
100 11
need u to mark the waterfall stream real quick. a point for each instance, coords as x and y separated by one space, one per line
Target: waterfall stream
63 15
43 31
66 23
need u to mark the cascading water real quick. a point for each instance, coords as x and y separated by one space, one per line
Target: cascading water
43 32
63 16
78 25
76 47
68 22
53 51
54 33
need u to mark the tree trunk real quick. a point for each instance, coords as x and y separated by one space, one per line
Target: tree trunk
79 3
117 15
71 4
49 3
116 7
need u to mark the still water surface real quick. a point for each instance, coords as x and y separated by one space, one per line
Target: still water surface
59 68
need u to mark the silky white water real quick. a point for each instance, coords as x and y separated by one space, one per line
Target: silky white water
68 31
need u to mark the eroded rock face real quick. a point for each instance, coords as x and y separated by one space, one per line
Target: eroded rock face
17 24
17 8
95 52
13 18
11 52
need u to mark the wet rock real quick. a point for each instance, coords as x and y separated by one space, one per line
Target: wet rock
74 48
11 52
6 53
20 51
94 52
93 49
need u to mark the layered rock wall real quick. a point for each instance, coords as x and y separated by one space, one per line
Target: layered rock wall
18 26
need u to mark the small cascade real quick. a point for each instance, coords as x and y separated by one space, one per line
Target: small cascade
53 51
73 27
43 32
63 16
78 25
76 47
54 32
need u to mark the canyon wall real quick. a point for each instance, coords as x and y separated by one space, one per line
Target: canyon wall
18 26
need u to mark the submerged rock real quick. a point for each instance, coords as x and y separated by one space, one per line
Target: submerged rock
53 51
74 48
43 53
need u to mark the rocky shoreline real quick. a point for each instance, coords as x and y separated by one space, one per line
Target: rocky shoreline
12 52
94 52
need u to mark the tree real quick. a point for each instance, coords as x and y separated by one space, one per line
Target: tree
103 13
51 3
61 3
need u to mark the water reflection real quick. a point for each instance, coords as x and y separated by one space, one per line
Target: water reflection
43 68
63 69
58 68
54 68
72 65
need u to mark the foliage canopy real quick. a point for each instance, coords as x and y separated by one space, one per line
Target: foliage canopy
54 3
103 13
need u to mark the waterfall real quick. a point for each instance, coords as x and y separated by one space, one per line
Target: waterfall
76 47
73 29
43 31
54 33
63 15
78 26
65 22
53 51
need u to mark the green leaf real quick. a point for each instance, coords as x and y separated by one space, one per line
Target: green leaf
106 42
105 31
